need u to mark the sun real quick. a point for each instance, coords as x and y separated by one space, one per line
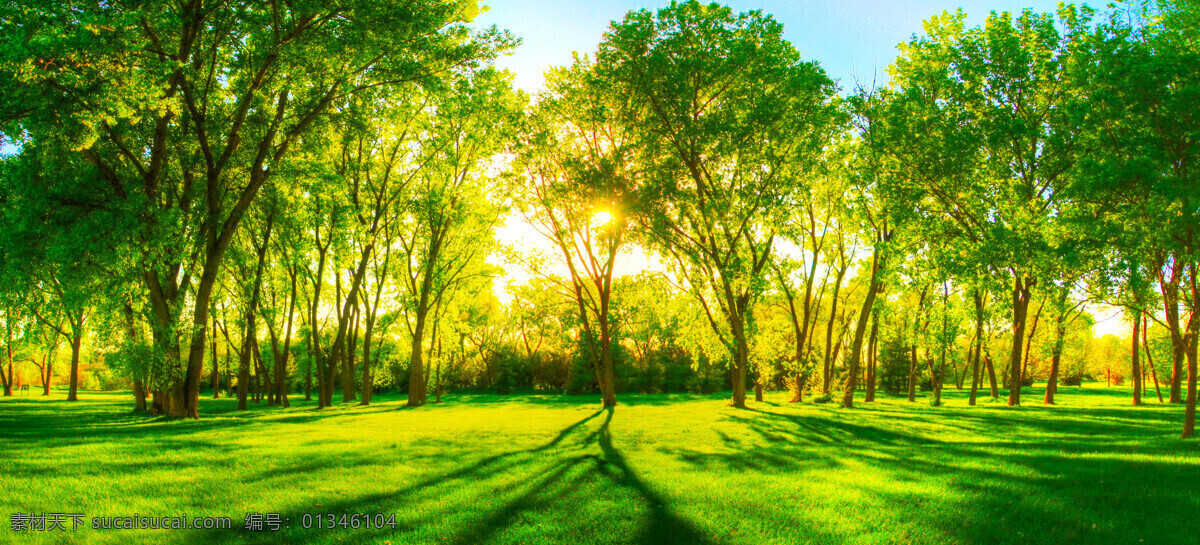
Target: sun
601 218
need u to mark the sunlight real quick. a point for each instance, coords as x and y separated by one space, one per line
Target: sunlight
601 218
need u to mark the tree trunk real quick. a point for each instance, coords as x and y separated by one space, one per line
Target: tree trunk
912 373
1052 382
8 382
367 381
1149 357
1170 298
608 391
416 370
348 361
978 347
800 324
228 367
1193 340
49 374
827 367
1189 412
262 378
1060 332
250 340
872 357
1021 288
437 376
76 339
243 377
216 372
281 357
860 330
1135 359
741 362
139 396
937 378
1029 340
308 375
991 369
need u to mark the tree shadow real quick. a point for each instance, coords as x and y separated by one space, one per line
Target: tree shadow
578 460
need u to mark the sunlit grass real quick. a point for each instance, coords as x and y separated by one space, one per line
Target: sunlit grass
657 469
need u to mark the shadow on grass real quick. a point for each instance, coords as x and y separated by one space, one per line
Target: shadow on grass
1012 484
591 462
1092 474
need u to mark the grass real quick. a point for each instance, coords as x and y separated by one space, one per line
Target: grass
657 469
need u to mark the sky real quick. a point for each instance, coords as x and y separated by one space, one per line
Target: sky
854 40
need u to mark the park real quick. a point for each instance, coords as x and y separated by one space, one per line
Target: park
660 468
533 272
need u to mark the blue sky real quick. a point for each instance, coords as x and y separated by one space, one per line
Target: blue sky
851 38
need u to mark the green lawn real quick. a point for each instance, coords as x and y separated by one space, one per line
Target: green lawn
657 469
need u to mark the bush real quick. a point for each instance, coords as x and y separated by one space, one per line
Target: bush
1073 381
891 372
823 398
512 371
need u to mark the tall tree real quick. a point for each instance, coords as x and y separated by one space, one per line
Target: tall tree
185 110
451 214
728 120
577 179
1009 79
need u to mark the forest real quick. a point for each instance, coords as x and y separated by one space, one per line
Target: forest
305 203
296 201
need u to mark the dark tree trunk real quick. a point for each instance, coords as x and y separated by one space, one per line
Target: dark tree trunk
1134 358
348 361
827 367
975 378
800 323
741 362
991 370
1170 297
1060 333
228 365
1021 289
8 381
250 338
282 355
216 372
243 377
76 340
1149 356
416 369
308 375
49 374
139 396
367 381
1193 337
864 315
872 357
1029 340
912 373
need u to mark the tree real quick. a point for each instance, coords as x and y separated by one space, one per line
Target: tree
1009 79
450 214
577 178
1142 127
185 111
726 121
